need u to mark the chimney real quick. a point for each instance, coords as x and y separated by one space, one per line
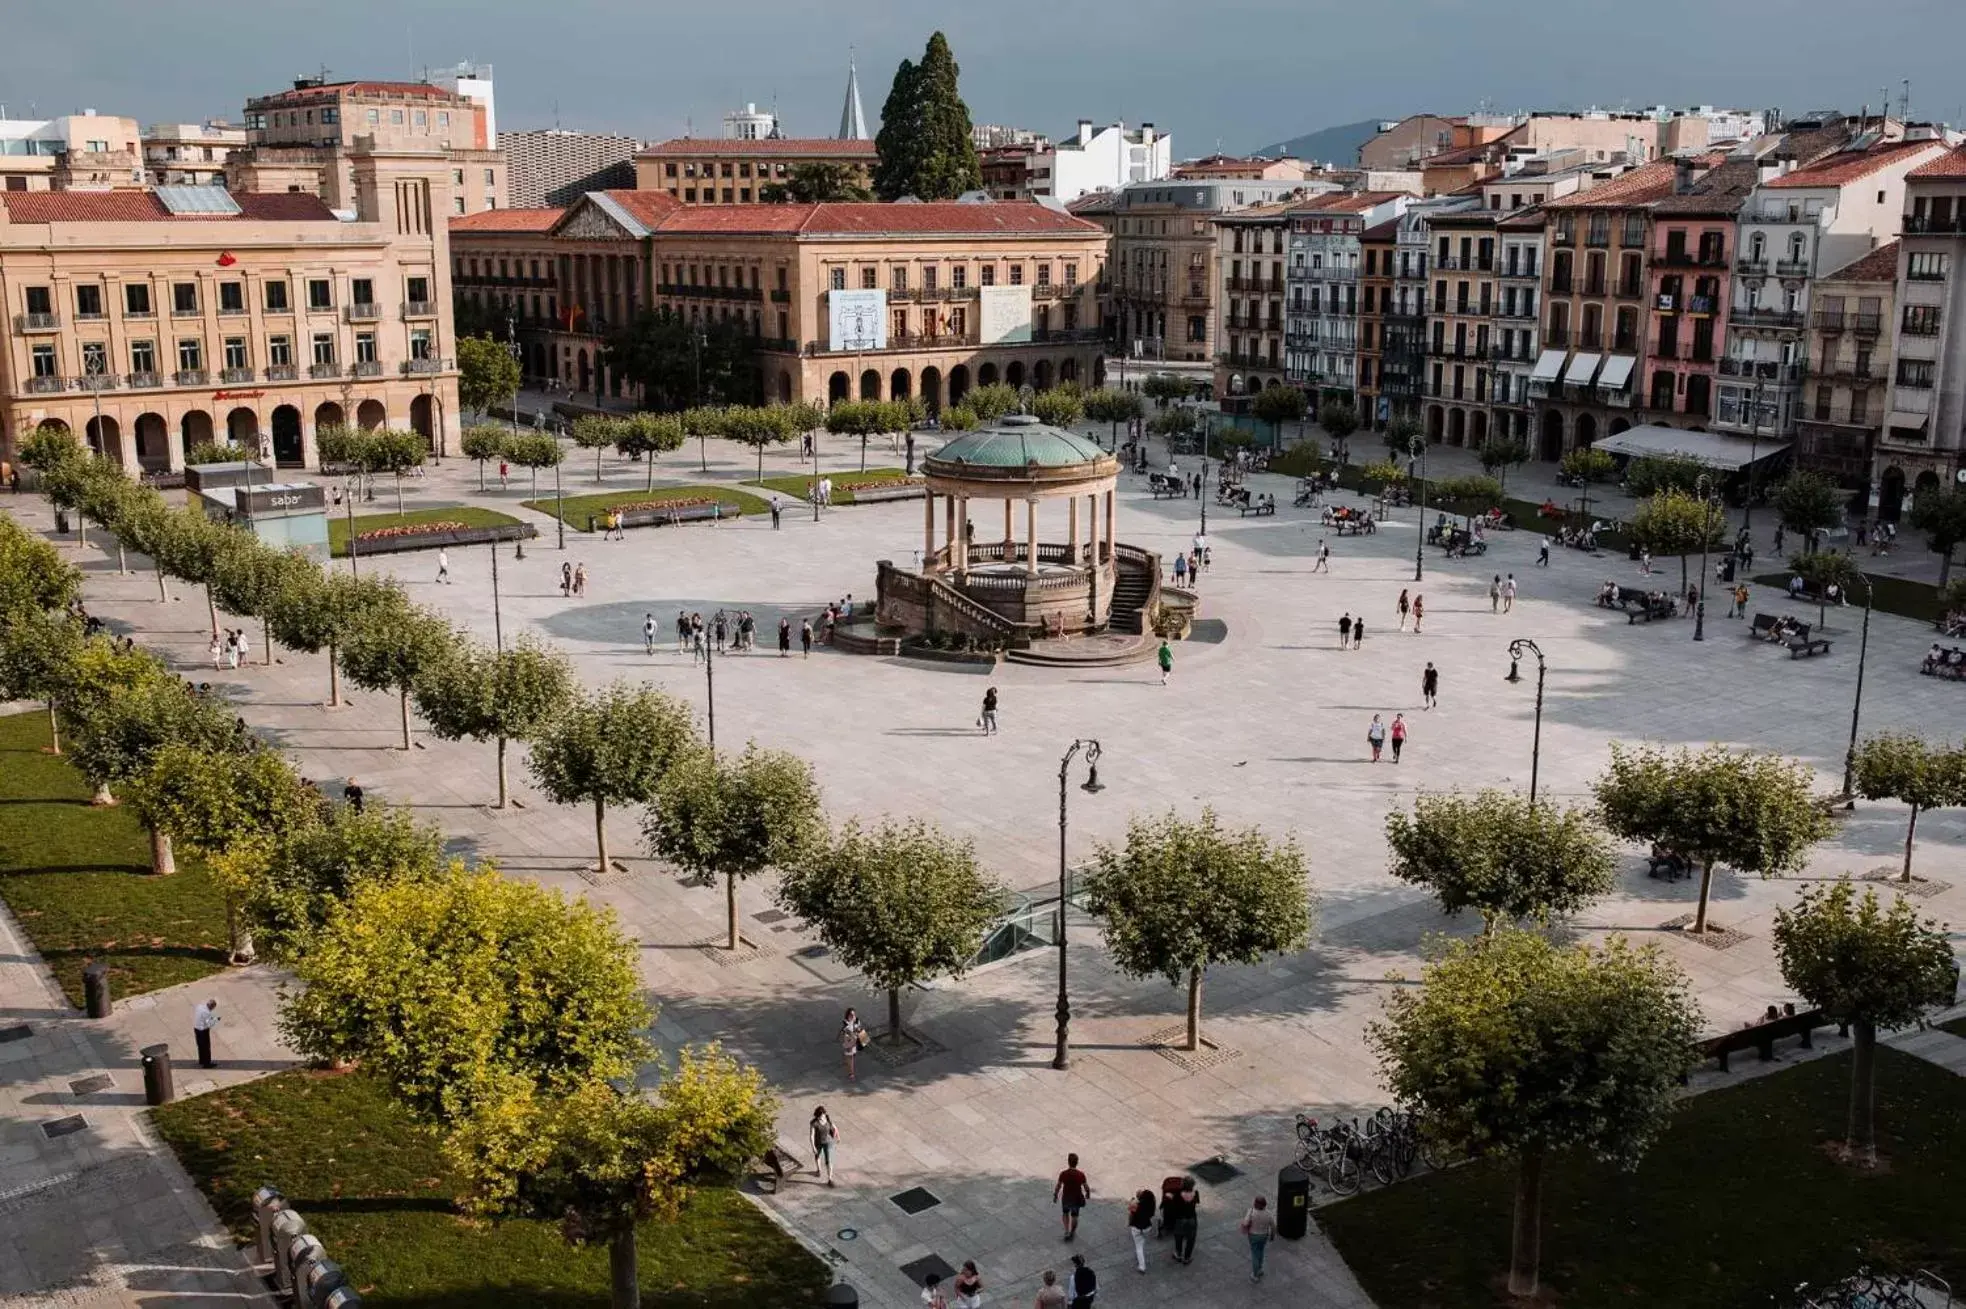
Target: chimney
1085 132
1682 177
1147 134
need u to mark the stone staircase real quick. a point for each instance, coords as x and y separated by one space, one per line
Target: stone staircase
1135 584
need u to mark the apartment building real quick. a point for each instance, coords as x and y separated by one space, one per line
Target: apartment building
879 301
1461 349
1379 247
700 171
1403 342
554 167
85 151
190 154
1687 289
1924 432
1250 254
1099 159
152 321
1518 289
1849 367
1325 260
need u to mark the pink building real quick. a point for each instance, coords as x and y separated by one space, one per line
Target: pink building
1686 297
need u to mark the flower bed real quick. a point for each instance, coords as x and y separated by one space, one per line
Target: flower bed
411 529
881 484
635 506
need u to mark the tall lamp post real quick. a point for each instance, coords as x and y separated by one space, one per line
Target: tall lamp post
1857 705
1203 495
1517 648
1417 447
1754 450
512 348
1703 487
1062 1059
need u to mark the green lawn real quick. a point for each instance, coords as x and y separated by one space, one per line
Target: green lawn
77 878
469 515
579 507
1735 1205
800 484
1956 1026
1895 595
377 1192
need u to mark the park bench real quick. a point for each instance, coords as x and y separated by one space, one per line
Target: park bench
1761 1037
713 511
1259 508
1801 643
1761 626
1647 607
892 491
1348 526
1162 485
1668 865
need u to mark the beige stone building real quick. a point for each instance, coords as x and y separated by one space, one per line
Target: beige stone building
1249 261
190 154
148 322
699 171
85 151
847 300
1849 366
306 138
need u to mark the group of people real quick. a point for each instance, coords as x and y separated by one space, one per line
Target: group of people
1781 631
1948 661
573 579
1239 497
228 649
1344 517
1501 594
820 492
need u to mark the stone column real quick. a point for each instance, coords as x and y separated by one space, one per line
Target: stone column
1074 505
1031 537
928 533
959 547
1008 535
1109 524
1092 518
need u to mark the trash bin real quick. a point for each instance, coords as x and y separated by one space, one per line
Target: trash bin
157 1086
842 1296
318 1278
95 985
1293 1202
342 1297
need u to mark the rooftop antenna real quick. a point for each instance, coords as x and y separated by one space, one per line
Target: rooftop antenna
1904 105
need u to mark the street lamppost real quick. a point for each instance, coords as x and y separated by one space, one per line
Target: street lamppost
1062 1059
1754 449
1416 446
1517 648
348 498
1857 705
710 685
498 621
1703 487
1202 495
560 502
512 348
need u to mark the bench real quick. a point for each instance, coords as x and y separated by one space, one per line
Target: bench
656 517
1640 606
1163 485
1761 1037
1670 866
1804 644
1259 509
1348 527
1761 626
895 491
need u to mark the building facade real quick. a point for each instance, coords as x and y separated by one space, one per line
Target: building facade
1924 432
85 151
1378 248
149 322
1099 159
1849 363
552 168
1685 300
1325 261
189 154
1518 288
1250 253
697 171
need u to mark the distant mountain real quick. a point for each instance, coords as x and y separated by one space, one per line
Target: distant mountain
1334 145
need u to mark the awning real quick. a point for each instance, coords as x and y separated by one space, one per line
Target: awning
1617 372
1549 365
1720 450
1898 418
1581 368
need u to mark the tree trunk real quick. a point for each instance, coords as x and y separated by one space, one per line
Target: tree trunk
863 452
1526 1240
1194 1010
54 729
122 563
163 861
1861 1136
1911 830
334 677
894 1014
211 609
481 477
703 452
399 493
163 593
239 940
650 456
730 906
501 773
1706 888
761 463
1945 567
403 697
102 799
82 533
601 832
266 641
624 1279
1682 573
597 465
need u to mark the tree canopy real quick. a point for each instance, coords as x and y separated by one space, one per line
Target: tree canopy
1940 513
1906 768
1648 475
499 696
1496 853
487 373
316 867
819 182
611 748
925 147
1672 522
1808 503
388 648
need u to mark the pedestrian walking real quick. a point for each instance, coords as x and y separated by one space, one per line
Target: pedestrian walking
1398 735
1345 630
1780 536
987 720
1085 1284
580 579
969 1287
932 1292
648 633
1508 593
1165 658
1050 1294
805 638
353 795
1196 483
1358 631
824 1137
774 516
1405 608
1543 553
566 578
1645 561
853 1039
1182 1215
1140 1218
1070 1193
1495 594
1741 600
1429 686
1323 564
720 627
1692 598
504 475
443 564
241 646
1259 1225
1419 612
1375 736
218 654
784 638
1180 570
204 1018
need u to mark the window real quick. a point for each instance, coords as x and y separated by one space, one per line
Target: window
929 278
727 196
669 170
136 300
232 297
1921 320
1071 274
235 352
190 355
324 347
421 118
837 279
419 287
457 177
396 117
39 300
88 302
1823 395
365 347
457 204
95 358
320 293
987 275
1197 328
420 343
375 116
899 276
1915 373
443 118
1044 275
280 350
959 322
1017 274
363 291
143 356
869 279
959 276
44 361
1860 406
1927 266
491 178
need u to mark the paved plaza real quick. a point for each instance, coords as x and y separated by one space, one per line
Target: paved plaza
1264 720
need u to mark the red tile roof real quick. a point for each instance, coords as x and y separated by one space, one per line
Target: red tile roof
995 218
818 147
651 207
507 220
145 207
283 207
1386 231
1849 165
1950 164
1356 202
1630 190
332 90
1880 265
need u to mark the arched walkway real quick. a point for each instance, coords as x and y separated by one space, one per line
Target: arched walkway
287 449
582 371
422 416
329 415
153 443
1926 483
370 415
105 437
1891 495
195 429
1436 423
1480 433
1551 448
1586 431
870 385
1068 370
242 428
986 375
1013 373
1041 374
900 385
958 383
1098 372
784 388
1457 427
838 388
932 389
1620 425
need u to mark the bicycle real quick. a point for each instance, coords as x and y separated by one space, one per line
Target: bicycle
1330 1152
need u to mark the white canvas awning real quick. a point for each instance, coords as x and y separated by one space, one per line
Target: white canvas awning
1617 371
1899 418
1581 368
1549 366
1720 450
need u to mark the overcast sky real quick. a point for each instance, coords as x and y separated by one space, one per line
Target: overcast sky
1233 73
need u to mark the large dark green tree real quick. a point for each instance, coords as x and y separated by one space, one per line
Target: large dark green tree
816 183
678 363
925 148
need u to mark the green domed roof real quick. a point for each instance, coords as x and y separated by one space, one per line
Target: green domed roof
1019 441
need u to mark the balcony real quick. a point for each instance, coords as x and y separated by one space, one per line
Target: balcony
419 308
190 377
785 297
778 345
1746 317
1560 284
1530 271
1330 275
1829 320
1923 225
427 364
144 381
1594 286
1599 239
1762 370
139 313
98 382
366 368
1557 338
92 316
282 372
1751 267
1791 268
235 376
321 370
1262 285
46 385
1869 324
186 311
1507 310
232 311
1564 236
364 311
32 323
1630 291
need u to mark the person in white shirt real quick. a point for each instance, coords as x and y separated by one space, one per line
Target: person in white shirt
204 1018
443 565
241 645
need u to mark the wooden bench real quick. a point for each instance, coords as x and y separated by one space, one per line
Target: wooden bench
1761 626
892 491
1670 866
1804 644
1641 606
1761 1037
1258 508
1162 485
713 511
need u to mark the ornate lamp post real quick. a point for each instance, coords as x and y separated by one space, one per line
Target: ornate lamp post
1517 648
1090 748
1703 486
1857 705
1417 447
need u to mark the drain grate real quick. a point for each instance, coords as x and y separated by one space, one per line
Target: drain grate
915 1200
17 1033
64 1126
813 952
918 1271
1215 1171
90 1085
771 916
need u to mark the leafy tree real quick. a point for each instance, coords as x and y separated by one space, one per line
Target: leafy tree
251 578
1808 503
1164 388
461 989
1469 496
142 525
703 422
1108 405
343 445
1515 1047
39 653
87 486
1753 811
1940 513
734 818
1496 853
678 362
1952 597
317 615
318 866
1868 967
1671 522
1059 407
487 373
644 436
508 695
925 148
958 418
1386 473
1181 896
534 451
599 1162
758 427
597 432
1822 569
900 903
394 453
863 418
817 183
1400 436
989 403
389 647
209 452
483 443
119 735
233 808
47 448
1177 421
1504 453
804 417
1589 463
611 749
87 674
193 548
1277 405
1895 766
34 578
1651 474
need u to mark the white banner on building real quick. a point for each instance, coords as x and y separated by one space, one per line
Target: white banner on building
1004 314
856 320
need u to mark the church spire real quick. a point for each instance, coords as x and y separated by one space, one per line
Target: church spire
853 121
